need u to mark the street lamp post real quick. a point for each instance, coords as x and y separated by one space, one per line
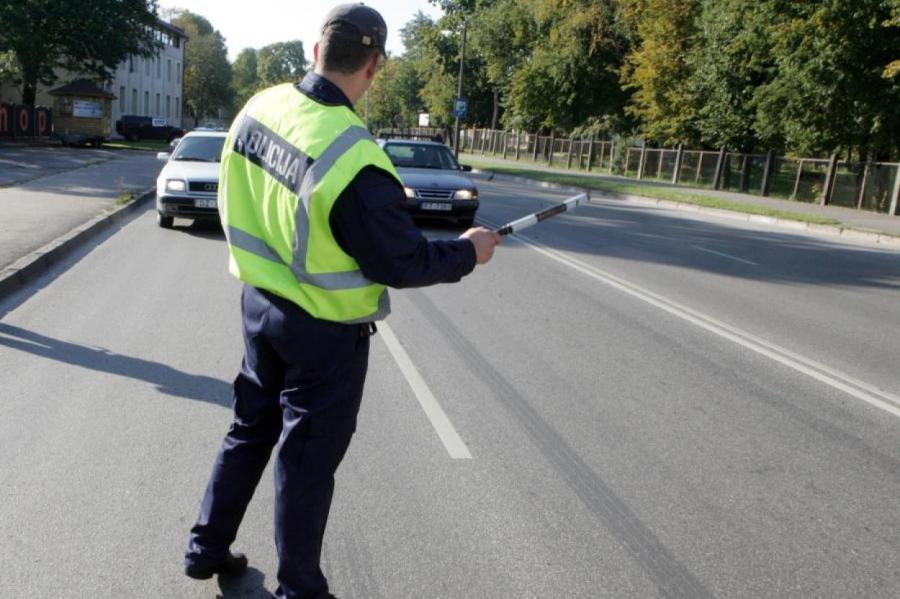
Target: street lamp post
459 89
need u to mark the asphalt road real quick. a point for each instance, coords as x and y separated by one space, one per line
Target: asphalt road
46 192
654 405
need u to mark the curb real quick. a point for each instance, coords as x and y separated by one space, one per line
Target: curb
835 230
27 269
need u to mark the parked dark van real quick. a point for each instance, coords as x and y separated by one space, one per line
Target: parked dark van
135 127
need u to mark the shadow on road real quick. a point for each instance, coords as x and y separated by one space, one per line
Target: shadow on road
204 229
649 234
166 379
249 586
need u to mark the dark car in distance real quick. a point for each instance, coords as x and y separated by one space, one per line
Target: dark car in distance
135 127
435 184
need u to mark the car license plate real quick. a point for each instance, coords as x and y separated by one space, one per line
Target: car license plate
437 206
204 203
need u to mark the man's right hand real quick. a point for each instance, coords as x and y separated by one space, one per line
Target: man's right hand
484 241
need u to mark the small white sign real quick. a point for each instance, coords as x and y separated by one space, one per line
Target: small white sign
424 120
87 109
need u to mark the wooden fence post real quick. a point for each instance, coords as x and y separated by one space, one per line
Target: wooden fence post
830 176
571 149
679 160
745 172
642 162
659 163
767 174
895 197
720 168
797 180
867 169
537 138
518 132
612 157
590 158
627 160
550 147
483 141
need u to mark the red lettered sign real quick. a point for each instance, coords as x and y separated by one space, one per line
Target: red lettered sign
23 123
5 124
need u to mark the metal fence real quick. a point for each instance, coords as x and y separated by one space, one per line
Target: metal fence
873 186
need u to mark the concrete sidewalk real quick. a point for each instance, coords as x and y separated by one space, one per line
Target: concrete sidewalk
859 220
47 192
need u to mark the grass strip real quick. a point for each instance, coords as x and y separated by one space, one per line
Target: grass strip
648 191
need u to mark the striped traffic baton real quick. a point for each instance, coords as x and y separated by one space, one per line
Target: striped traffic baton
533 219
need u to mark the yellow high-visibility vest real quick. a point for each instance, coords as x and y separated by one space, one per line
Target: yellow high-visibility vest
286 160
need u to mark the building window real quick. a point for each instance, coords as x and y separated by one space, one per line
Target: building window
131 64
168 106
147 62
176 41
169 70
122 99
134 101
159 67
178 72
157 105
147 104
177 107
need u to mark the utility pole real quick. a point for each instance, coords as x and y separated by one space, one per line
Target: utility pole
459 89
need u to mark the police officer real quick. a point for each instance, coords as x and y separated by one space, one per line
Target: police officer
313 211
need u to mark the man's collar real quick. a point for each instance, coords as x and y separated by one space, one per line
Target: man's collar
323 91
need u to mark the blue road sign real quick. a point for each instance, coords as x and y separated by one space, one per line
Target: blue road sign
461 108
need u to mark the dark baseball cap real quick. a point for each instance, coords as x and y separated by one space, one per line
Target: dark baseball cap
356 22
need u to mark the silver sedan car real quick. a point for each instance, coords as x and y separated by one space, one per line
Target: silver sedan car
436 185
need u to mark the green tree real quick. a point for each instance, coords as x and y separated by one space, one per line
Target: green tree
9 67
207 72
572 74
893 69
433 54
394 95
280 62
828 92
728 67
658 68
244 78
502 35
50 34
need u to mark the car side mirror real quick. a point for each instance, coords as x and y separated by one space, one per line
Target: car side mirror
465 168
163 156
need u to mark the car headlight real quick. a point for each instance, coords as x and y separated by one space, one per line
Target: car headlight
410 192
466 194
174 185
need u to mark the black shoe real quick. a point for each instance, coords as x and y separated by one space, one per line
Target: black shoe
234 564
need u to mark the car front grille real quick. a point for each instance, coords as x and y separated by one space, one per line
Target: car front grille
203 186
434 194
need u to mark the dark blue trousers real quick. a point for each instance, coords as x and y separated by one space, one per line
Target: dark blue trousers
299 391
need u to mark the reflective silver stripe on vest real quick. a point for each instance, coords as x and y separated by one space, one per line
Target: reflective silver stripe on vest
314 175
384 308
249 243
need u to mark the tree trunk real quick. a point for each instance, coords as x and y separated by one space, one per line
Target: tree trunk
496 109
29 87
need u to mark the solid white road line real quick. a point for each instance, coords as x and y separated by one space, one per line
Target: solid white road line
448 435
724 255
861 390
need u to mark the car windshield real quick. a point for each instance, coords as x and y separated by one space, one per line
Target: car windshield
199 149
421 156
